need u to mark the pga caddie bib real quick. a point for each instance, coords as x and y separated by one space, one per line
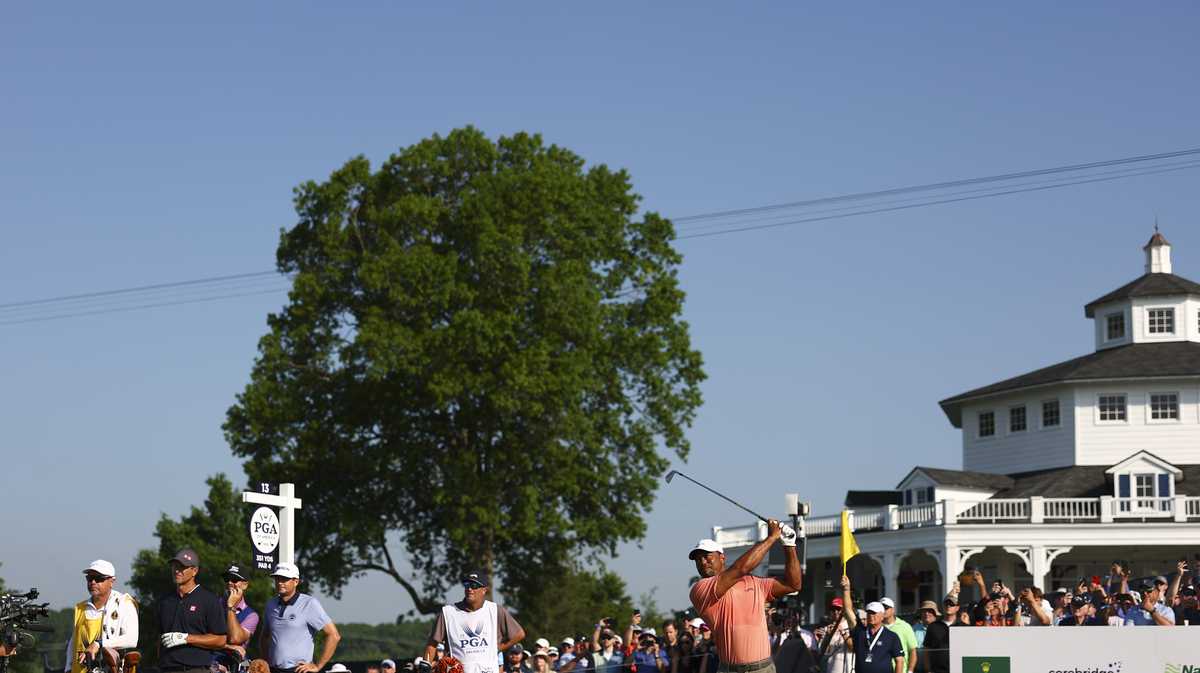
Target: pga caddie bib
473 637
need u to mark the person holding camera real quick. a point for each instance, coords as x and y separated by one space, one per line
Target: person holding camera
649 655
731 600
108 618
605 652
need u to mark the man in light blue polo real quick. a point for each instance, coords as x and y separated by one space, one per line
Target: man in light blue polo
1150 612
291 621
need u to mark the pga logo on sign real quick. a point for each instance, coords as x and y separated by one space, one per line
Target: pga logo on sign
264 529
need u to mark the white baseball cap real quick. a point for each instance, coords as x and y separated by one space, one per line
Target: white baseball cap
288 570
542 643
568 641
696 622
706 545
339 668
887 602
874 606
387 663
101 567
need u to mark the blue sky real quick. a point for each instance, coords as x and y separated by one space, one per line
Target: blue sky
152 142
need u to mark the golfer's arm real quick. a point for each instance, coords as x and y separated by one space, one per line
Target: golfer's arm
792 577
430 650
332 637
912 656
745 564
208 641
899 661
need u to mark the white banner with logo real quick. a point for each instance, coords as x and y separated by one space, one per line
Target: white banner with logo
1088 649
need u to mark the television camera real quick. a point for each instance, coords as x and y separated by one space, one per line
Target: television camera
19 618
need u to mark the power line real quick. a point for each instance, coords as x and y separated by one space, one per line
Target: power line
991 190
251 284
941 185
138 307
927 203
140 288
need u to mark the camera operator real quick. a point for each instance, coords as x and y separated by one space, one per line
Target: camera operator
108 618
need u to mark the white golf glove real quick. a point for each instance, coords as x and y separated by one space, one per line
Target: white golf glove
173 639
787 535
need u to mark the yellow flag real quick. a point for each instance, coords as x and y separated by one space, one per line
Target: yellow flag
849 546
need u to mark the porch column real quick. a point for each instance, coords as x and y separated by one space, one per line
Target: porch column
890 563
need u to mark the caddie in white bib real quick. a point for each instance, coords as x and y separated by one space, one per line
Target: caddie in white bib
474 630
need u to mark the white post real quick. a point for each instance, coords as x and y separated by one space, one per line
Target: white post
891 521
890 571
951 567
1180 504
1106 509
288 503
1037 509
949 513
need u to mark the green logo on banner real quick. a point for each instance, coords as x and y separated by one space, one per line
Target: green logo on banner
986 665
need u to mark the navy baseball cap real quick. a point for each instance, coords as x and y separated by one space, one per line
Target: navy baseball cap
475 577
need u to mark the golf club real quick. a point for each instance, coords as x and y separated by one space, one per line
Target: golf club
675 473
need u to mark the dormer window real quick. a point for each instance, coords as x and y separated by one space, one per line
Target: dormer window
1161 320
1114 326
1142 484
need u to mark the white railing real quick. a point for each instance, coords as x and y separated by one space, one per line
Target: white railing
823 525
995 511
1004 509
1143 508
925 514
1071 509
869 520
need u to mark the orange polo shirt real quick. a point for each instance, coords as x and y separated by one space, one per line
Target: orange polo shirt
737 619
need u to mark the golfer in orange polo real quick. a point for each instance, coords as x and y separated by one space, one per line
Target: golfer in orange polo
730 600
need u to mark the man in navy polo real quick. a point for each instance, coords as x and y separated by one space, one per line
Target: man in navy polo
876 648
191 619
292 618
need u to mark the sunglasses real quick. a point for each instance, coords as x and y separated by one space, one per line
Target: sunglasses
471 585
97 578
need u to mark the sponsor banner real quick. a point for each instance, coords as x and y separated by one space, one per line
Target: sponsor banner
1088 649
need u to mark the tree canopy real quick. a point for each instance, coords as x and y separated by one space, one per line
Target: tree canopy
481 358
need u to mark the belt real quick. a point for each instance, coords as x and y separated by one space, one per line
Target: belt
745 668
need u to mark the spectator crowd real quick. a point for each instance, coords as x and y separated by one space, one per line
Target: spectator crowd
206 633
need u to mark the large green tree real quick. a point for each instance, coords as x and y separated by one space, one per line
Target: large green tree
480 361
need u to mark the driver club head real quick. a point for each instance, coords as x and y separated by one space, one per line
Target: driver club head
670 476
